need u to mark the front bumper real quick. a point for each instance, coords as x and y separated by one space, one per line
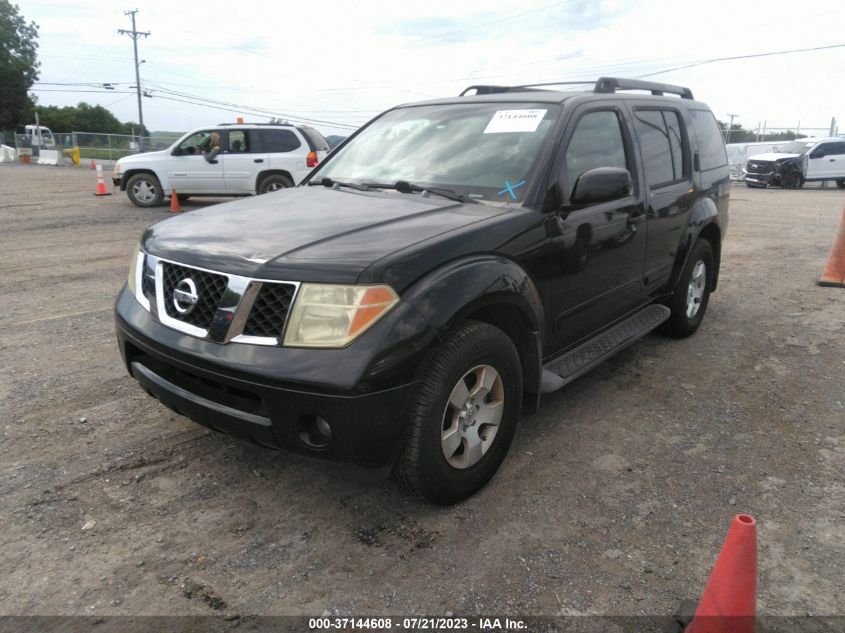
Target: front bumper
760 179
117 181
249 398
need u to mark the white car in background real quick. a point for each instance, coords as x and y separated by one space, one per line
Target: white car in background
253 158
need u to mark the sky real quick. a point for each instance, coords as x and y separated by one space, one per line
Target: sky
337 64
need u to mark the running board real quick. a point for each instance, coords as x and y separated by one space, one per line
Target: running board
583 358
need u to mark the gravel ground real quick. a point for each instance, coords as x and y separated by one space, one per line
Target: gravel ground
614 500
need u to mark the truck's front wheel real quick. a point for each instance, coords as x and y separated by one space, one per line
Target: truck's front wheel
464 415
144 190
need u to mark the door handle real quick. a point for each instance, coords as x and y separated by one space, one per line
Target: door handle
257 160
832 160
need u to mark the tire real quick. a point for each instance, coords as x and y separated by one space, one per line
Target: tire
144 190
692 293
840 182
274 182
791 180
445 465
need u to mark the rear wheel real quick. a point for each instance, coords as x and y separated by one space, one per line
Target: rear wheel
144 190
840 182
792 180
463 417
274 182
692 294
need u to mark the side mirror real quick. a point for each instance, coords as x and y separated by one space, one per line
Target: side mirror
819 153
601 184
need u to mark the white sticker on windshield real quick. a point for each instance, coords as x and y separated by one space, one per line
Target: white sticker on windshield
515 121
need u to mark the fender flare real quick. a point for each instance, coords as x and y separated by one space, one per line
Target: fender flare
703 216
480 285
163 181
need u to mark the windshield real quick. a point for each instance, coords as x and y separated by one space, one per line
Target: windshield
480 150
795 147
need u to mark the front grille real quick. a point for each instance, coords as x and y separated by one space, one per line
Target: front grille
148 285
210 289
270 310
759 167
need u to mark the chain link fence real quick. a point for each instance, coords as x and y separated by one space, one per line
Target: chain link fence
93 146
112 146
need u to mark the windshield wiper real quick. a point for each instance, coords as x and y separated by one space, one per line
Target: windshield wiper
403 186
328 182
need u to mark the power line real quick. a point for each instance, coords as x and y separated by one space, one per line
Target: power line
479 26
735 57
243 110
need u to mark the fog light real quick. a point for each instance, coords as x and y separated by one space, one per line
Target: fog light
314 431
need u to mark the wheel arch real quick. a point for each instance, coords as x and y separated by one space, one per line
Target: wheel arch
703 223
140 170
259 179
490 289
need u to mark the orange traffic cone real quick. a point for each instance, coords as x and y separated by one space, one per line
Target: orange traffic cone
174 202
92 165
834 271
101 184
729 601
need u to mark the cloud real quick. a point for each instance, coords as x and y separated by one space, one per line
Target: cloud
347 61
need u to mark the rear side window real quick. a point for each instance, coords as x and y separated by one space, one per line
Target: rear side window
238 142
316 142
711 148
279 141
676 141
662 143
596 142
655 146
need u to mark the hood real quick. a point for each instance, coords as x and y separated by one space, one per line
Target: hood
143 157
771 157
308 233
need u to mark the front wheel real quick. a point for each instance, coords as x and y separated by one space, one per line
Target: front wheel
463 416
274 182
840 182
692 294
144 190
791 180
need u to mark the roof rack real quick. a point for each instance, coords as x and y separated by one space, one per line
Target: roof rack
612 84
249 123
606 85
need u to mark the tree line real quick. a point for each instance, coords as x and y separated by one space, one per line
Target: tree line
19 70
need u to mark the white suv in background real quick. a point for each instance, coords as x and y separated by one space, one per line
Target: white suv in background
253 159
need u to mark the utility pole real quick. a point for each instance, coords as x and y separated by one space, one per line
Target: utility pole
135 34
730 127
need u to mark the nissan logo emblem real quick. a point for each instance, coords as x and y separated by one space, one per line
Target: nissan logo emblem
185 296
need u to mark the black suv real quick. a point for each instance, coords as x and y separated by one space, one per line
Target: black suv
445 266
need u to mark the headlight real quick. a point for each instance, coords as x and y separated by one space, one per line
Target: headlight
117 168
330 315
136 270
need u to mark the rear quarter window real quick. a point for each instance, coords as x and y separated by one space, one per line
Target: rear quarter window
279 141
316 141
711 147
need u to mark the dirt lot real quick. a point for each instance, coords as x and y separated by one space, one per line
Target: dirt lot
614 500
